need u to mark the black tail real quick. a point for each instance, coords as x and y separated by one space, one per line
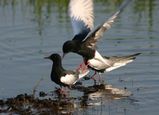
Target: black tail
133 56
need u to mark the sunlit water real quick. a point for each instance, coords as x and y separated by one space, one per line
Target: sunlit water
29 32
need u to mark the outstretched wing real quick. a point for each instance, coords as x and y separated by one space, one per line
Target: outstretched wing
94 36
82 17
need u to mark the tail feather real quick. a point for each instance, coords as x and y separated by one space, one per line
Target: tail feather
120 58
118 62
133 56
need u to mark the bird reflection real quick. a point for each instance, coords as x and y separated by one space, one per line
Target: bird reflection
51 103
95 95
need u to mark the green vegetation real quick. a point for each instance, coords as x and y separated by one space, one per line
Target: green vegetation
43 10
61 5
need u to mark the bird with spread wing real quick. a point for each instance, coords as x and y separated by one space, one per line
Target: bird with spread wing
85 37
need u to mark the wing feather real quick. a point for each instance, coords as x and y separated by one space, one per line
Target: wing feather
81 14
94 36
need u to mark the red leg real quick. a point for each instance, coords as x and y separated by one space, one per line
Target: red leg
82 67
93 77
62 91
96 77
99 78
79 67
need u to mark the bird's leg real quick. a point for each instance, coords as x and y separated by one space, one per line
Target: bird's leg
100 80
62 91
65 91
96 77
79 67
82 67
85 66
93 77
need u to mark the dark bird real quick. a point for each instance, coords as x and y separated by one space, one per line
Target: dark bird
85 39
61 76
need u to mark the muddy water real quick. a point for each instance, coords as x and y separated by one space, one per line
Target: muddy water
30 30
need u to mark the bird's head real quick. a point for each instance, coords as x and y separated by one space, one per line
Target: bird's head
68 46
54 57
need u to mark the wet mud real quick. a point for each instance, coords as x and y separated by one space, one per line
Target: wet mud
56 103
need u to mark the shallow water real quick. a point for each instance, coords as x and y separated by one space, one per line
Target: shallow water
31 30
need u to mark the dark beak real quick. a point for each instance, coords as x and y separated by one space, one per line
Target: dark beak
46 57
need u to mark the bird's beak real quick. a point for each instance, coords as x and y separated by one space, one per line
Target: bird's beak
46 57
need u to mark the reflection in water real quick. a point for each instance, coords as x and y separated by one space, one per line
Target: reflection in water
97 95
43 10
23 22
145 6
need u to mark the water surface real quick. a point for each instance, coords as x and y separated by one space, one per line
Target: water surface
31 30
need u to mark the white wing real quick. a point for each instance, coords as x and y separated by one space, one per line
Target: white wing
81 14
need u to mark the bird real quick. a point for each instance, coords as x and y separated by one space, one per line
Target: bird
85 37
61 76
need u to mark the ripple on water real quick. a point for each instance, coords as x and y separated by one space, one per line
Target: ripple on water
26 36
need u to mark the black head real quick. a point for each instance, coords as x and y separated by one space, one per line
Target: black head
54 57
68 46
